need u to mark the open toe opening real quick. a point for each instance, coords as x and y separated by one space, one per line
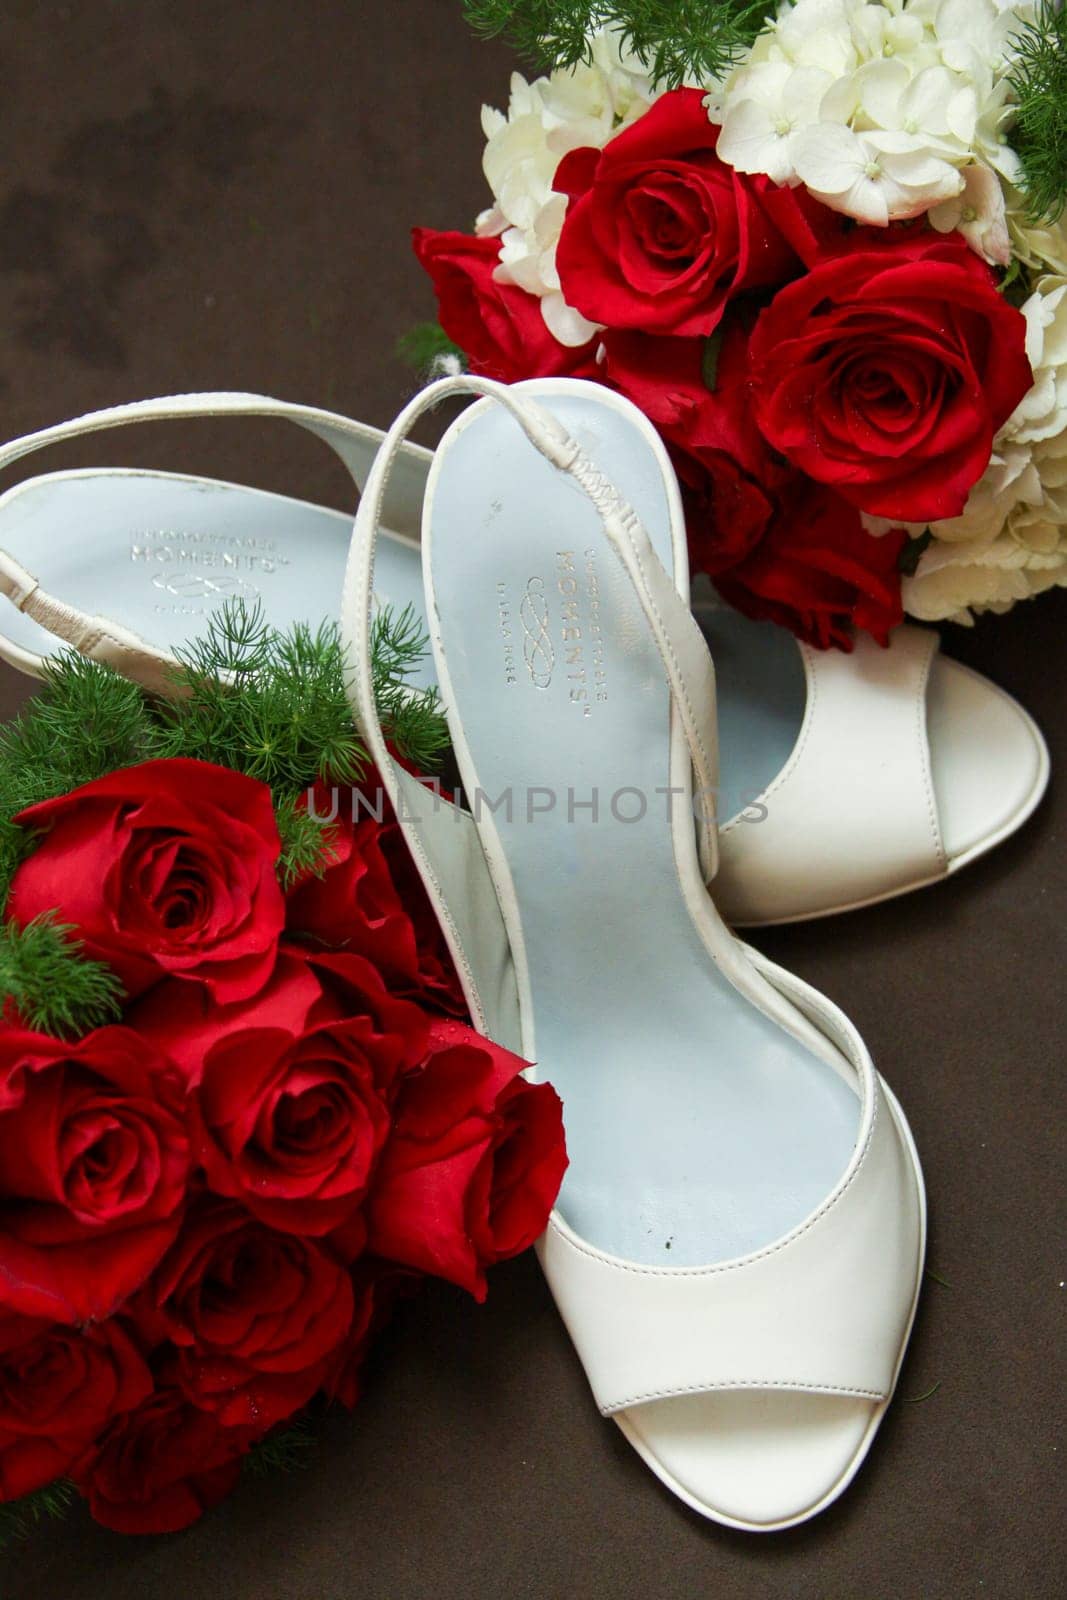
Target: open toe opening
755 1459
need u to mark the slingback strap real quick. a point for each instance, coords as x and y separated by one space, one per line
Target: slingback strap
354 442
681 645
95 637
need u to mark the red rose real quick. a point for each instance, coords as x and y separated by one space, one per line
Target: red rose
887 370
660 233
164 868
371 900
290 1092
777 545
669 379
474 1163
255 1315
498 326
94 1158
377 1286
727 473
809 228
59 1387
159 1468
819 572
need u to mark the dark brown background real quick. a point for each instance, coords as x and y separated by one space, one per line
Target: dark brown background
205 193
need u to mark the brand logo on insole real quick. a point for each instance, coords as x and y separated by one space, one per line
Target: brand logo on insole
537 647
507 632
562 633
581 632
198 586
204 565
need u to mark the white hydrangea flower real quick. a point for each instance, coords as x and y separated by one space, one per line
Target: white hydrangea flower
773 101
873 177
1011 540
953 581
916 94
983 28
979 214
933 106
545 120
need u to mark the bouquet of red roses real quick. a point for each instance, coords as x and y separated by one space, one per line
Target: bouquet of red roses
821 245
239 1103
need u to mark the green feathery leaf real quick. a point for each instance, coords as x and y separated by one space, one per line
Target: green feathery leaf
428 349
1039 79
412 718
678 41
911 554
268 704
549 34
287 1450
85 722
273 705
20 1518
1016 285
51 983
307 843
709 361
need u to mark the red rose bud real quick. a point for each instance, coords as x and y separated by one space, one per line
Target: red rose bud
498 326
660 233
164 868
888 369
474 1164
256 1315
59 1388
94 1159
291 1092
370 900
160 1467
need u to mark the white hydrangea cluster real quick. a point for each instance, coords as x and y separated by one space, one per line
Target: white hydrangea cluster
883 111
545 119
1011 541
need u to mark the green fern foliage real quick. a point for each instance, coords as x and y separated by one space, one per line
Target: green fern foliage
273 705
20 1518
51 983
677 40
287 1449
1039 79
429 351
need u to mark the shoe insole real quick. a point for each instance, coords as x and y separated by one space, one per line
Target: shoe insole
160 553
699 1129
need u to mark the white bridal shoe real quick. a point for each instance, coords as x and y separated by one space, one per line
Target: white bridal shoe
738 1245
855 778
845 779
